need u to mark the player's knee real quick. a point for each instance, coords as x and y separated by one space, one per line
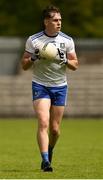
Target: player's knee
55 132
43 125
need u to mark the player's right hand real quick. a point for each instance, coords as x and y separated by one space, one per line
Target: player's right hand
35 55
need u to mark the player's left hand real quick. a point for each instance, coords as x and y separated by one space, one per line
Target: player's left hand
63 59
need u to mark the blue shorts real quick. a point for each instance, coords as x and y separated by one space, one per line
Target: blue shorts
57 95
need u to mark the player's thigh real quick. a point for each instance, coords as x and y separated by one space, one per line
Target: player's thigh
56 114
42 107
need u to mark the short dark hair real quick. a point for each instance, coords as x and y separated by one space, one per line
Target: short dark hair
48 10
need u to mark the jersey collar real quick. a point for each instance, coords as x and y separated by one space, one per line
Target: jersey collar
51 36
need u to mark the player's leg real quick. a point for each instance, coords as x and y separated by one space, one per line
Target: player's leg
56 115
58 101
42 103
42 107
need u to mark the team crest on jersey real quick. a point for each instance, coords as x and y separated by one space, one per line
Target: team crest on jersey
62 45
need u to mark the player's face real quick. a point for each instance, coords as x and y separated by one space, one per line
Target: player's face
53 24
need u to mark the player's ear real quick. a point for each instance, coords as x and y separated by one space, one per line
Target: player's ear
45 22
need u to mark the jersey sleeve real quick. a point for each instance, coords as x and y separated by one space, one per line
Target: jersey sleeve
71 46
29 46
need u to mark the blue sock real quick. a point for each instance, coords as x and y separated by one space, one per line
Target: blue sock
45 156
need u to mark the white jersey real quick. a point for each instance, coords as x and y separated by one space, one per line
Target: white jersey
49 72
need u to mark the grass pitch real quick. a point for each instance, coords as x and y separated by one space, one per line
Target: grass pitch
78 153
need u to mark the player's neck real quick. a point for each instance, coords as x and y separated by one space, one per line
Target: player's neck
50 34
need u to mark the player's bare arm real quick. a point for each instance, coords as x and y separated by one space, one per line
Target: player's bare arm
72 61
26 61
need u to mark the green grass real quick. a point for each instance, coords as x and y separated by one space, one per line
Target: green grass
78 153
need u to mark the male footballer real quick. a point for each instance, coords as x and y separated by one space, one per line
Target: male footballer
49 83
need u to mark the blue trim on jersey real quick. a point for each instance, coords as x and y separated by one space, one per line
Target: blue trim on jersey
65 35
57 95
37 35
